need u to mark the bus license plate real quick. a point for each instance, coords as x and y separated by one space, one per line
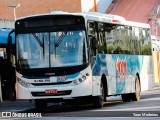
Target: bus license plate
53 91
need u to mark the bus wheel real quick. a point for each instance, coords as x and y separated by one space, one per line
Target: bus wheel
40 105
98 100
136 96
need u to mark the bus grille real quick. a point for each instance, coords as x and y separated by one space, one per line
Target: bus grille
59 93
58 83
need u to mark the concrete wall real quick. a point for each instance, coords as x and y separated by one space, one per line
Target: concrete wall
30 7
6 23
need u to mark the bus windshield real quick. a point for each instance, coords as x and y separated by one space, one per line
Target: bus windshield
51 49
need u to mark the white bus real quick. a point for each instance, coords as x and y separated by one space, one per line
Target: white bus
81 57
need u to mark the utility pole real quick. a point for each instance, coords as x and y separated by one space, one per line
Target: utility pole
14 6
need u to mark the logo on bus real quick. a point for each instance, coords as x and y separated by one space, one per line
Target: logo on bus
121 67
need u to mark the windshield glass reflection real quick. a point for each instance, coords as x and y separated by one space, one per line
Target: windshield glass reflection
51 49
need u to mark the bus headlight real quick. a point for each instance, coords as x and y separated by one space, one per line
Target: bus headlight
23 83
79 80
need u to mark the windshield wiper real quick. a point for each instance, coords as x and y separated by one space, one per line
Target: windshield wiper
60 39
38 40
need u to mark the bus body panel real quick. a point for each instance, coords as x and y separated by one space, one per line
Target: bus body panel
38 91
22 92
121 71
96 85
146 74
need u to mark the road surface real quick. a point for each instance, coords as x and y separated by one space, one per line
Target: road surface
147 108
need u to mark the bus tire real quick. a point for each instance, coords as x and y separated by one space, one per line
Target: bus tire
99 100
136 96
40 105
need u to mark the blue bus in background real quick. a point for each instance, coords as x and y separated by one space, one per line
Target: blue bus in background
4 34
7 62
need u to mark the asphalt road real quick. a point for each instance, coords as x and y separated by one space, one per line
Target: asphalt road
147 108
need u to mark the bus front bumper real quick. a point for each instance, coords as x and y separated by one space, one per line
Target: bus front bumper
63 92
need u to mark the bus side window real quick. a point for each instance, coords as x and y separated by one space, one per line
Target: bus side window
92 38
119 40
135 41
114 41
108 28
91 28
101 44
145 42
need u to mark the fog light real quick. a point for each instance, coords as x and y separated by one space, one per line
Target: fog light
84 77
80 80
75 82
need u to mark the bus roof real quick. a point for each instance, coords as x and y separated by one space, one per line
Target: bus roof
95 16
137 24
